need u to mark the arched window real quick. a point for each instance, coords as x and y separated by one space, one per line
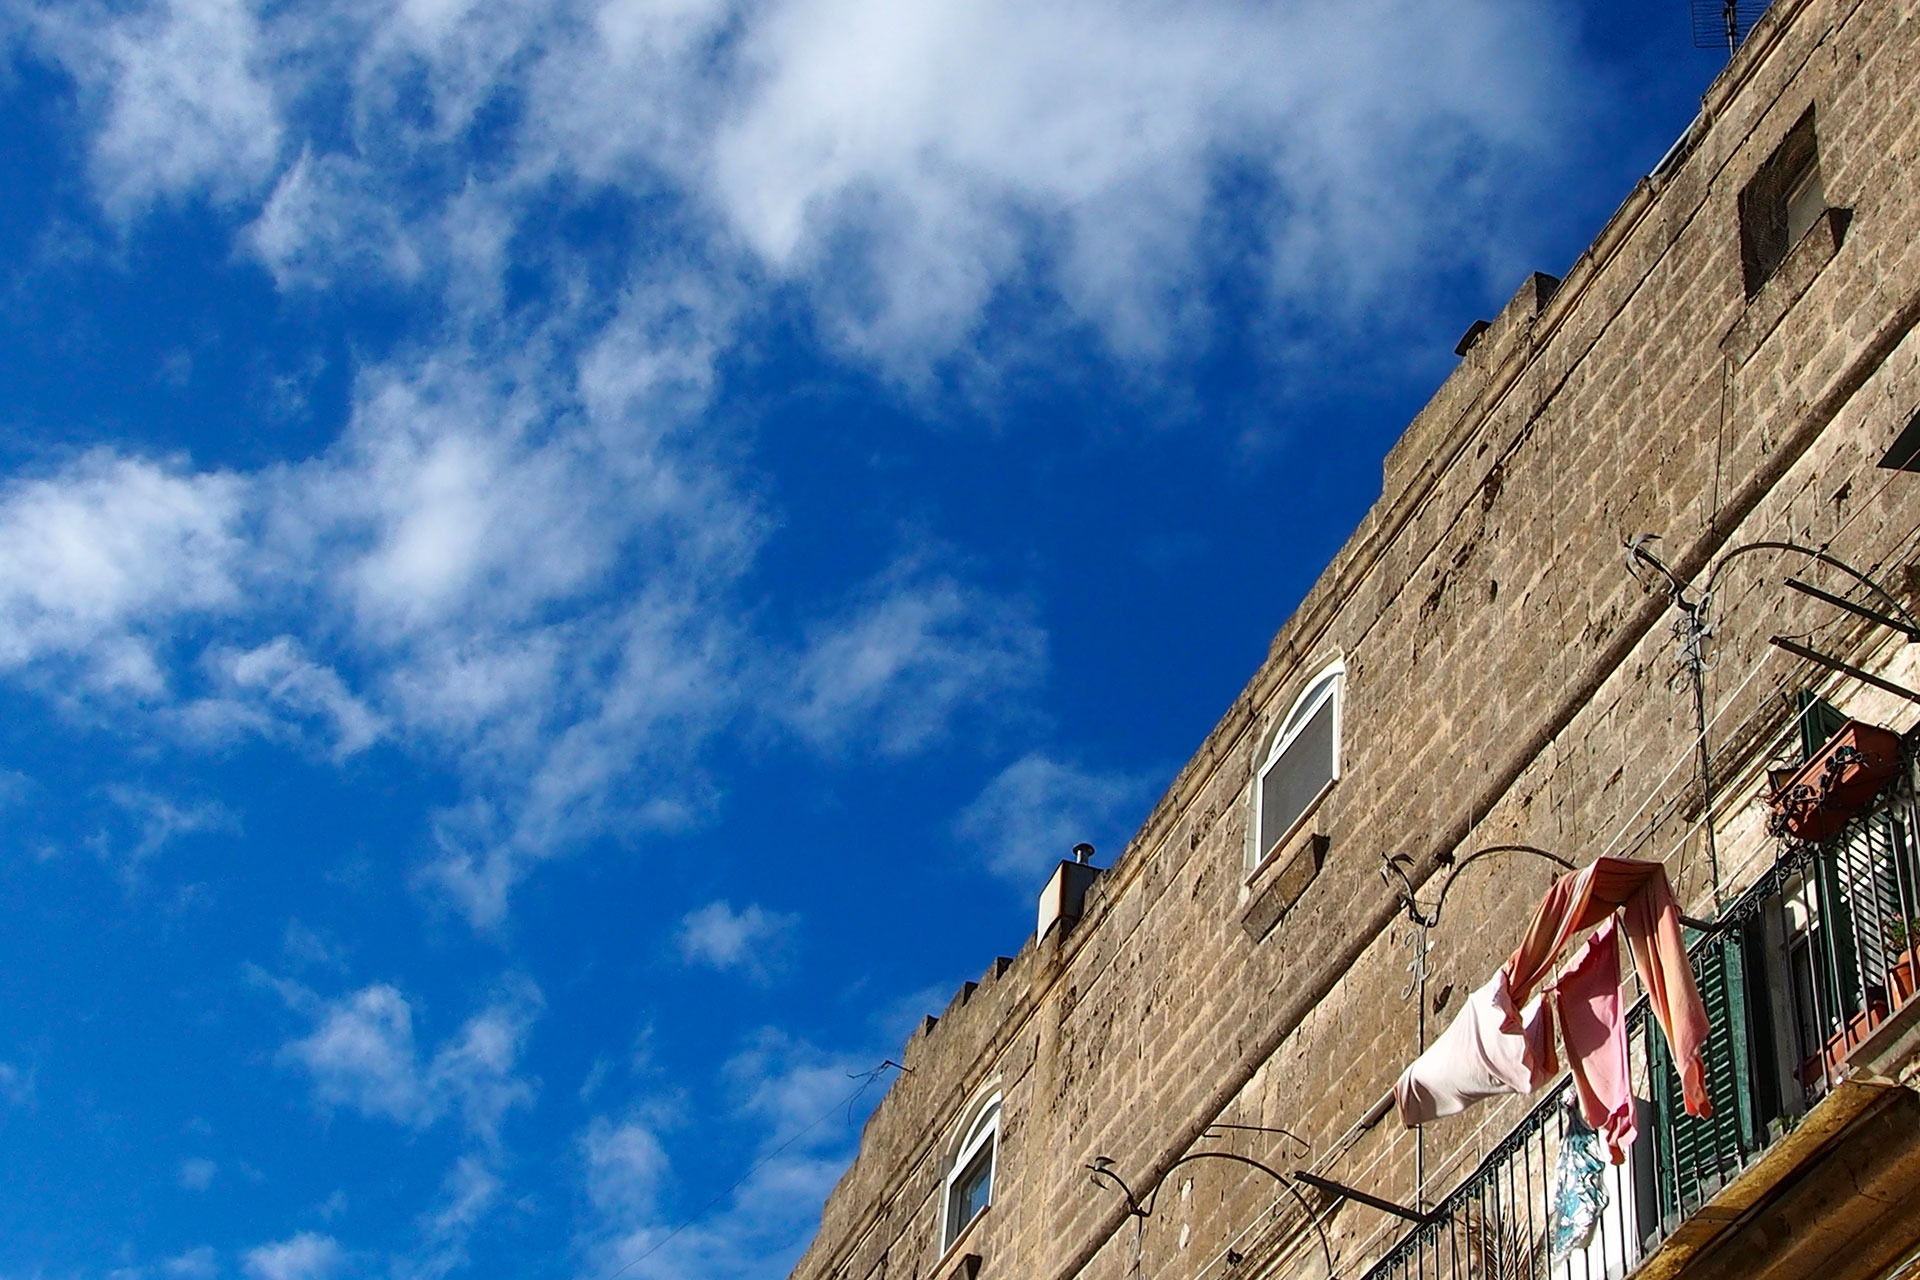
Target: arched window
1300 764
970 1164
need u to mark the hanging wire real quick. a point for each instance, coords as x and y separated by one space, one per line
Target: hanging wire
866 1079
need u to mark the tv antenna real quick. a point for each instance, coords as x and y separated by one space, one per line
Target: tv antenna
1723 24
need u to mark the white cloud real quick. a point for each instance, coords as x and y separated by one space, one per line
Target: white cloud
16 1085
531 554
789 1095
543 578
753 940
625 1167
99 560
1029 817
307 947
158 820
15 787
905 163
789 1084
916 649
306 1256
274 685
184 103
476 1069
468 1193
362 1054
201 1263
519 567
926 152
319 226
196 1173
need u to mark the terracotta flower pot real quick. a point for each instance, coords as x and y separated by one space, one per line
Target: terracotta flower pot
1814 801
1841 1044
1901 975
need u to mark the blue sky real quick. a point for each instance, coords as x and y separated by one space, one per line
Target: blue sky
568 569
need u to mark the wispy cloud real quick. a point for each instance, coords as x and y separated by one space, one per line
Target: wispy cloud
786 1092
752 941
196 1173
624 1165
363 1055
1035 810
17 1085
279 682
156 820
306 1256
306 947
915 649
180 95
903 164
200 1263
98 561
537 577
469 1192
533 551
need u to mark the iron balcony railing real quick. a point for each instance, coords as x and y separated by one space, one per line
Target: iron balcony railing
1795 974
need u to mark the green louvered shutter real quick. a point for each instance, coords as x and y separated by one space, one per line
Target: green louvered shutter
1819 720
1695 1156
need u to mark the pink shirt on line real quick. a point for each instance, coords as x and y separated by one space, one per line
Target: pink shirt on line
1582 899
1474 1058
1500 1043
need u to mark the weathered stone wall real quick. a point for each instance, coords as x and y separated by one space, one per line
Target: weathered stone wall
1507 681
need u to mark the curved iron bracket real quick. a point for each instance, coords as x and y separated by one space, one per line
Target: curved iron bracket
1821 555
1394 867
1639 554
1102 1167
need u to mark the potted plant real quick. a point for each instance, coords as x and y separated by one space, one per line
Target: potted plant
1843 1042
1814 801
1903 951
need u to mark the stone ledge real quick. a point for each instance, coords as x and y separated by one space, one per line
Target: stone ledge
1278 882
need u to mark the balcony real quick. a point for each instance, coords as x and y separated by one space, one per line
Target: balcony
1809 980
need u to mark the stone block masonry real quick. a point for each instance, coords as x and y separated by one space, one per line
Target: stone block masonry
1507 682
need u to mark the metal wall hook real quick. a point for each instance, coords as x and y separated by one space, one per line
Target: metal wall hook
1102 1167
1394 868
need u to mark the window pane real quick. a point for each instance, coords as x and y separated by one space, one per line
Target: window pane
1297 778
1306 700
970 1192
1805 203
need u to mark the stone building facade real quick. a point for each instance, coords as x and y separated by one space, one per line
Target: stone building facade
1731 366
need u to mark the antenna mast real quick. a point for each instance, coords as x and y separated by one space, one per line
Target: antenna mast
1724 24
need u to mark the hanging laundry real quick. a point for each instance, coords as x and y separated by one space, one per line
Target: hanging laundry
1475 1058
1579 1190
1641 892
1587 999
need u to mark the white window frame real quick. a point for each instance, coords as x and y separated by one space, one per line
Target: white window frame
1328 683
981 1131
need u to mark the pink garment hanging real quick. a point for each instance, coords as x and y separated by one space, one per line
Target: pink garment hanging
1474 1058
1587 998
1582 899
